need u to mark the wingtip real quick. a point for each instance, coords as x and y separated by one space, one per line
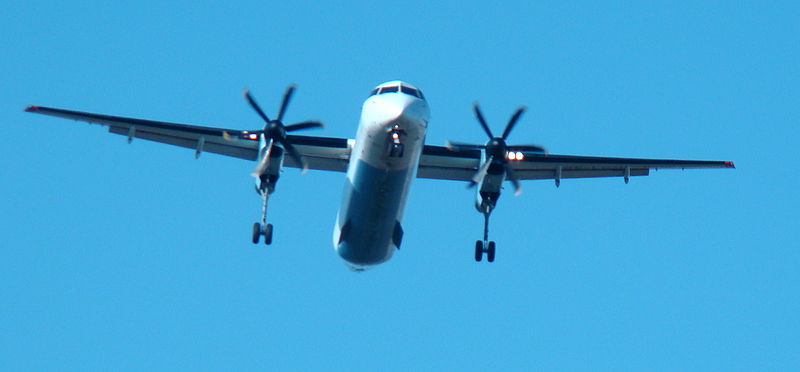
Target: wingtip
31 108
729 164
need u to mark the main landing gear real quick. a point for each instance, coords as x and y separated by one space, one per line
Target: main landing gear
272 141
266 230
263 228
485 245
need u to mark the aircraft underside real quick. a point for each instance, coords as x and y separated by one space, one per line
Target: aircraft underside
380 163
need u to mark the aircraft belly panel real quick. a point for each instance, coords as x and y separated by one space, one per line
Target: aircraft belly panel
372 204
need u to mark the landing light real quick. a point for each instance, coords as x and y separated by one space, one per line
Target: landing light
515 155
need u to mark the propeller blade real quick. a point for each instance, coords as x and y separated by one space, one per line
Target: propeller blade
460 146
285 102
262 165
513 121
478 176
304 125
255 106
295 155
512 176
528 148
482 120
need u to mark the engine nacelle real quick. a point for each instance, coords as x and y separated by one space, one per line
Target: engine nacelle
267 181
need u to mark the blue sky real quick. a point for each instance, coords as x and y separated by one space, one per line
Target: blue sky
134 257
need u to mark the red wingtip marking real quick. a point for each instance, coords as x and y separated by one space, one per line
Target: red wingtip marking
729 164
31 108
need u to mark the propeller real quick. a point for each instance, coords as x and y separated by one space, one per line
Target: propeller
276 131
496 148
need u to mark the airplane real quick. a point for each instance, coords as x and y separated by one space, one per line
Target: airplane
387 154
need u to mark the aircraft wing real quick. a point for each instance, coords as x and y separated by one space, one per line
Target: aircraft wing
323 153
442 163
320 152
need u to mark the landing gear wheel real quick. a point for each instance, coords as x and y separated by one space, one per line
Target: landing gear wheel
268 234
490 252
478 251
256 232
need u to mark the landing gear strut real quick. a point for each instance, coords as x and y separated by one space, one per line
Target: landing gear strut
485 245
263 228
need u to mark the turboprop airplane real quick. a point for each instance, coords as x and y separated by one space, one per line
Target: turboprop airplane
389 151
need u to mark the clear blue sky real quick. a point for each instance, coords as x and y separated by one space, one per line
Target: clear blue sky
137 257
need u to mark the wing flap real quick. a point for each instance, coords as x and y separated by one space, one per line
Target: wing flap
445 173
232 148
318 162
546 174
438 162
323 153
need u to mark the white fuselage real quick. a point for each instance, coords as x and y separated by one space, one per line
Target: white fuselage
383 163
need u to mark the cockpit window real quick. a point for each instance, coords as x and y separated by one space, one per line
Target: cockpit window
394 89
391 89
410 91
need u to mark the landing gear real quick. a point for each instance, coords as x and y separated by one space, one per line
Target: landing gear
481 247
272 142
263 228
256 232
485 245
266 230
396 150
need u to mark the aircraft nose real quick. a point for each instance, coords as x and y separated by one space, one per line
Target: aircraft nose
406 107
396 106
